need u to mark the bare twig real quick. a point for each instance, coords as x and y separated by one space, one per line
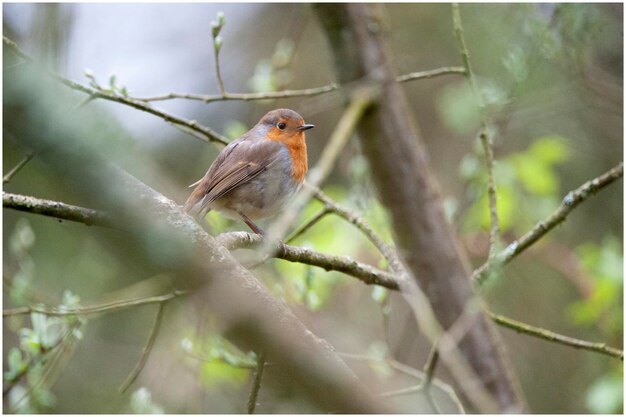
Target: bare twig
571 200
17 168
351 217
483 135
306 92
190 126
319 216
96 309
525 328
256 382
56 209
412 372
146 349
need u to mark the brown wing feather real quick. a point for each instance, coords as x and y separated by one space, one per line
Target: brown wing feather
238 163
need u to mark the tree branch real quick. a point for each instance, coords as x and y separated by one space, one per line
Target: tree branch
237 240
96 309
57 209
365 273
17 168
485 140
545 334
358 35
569 203
190 126
146 349
233 240
256 382
306 92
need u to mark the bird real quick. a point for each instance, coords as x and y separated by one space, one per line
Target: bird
254 176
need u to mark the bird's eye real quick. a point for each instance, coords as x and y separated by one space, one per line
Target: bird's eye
281 126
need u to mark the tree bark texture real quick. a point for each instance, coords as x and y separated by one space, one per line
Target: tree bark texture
408 190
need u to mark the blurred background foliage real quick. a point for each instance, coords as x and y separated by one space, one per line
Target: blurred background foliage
552 80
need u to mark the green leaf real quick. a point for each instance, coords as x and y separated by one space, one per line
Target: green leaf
535 175
550 149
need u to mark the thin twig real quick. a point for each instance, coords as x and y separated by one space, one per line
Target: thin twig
96 309
190 126
17 168
422 75
256 382
541 333
146 349
571 200
431 365
305 92
412 372
353 218
429 370
319 216
483 135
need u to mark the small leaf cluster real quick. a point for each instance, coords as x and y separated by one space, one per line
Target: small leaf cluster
113 87
216 28
26 364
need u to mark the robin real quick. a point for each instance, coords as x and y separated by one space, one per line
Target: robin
255 175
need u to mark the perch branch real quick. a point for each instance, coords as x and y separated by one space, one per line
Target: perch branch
366 273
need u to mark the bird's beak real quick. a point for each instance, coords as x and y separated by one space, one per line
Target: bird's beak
306 127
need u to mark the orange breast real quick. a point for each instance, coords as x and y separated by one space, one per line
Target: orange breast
297 149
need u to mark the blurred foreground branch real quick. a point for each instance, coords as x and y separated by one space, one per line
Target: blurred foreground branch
164 237
233 240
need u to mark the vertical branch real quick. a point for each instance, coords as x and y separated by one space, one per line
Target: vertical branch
358 36
256 382
146 349
484 137
216 27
